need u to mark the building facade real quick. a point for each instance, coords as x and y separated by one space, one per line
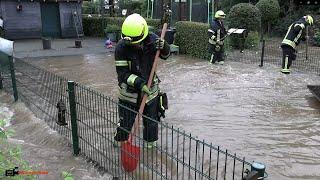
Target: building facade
23 19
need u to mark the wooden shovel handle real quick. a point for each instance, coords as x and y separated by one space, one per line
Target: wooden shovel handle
144 99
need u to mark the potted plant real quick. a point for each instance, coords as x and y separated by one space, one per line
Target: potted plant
112 32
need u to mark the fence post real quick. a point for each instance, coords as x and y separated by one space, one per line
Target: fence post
13 78
73 114
262 53
1 85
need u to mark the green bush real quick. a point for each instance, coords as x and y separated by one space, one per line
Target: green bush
192 38
94 26
226 5
316 37
269 9
132 6
10 154
112 28
250 42
244 15
281 27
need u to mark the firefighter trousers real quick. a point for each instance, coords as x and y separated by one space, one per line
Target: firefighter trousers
127 117
288 55
216 53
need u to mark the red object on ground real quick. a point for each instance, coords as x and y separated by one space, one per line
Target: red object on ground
129 156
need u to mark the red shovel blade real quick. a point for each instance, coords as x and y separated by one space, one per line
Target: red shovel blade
129 156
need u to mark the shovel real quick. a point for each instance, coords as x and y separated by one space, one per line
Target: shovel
130 153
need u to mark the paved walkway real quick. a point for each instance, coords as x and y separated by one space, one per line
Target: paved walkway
59 47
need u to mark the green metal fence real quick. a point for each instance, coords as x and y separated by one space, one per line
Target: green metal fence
92 119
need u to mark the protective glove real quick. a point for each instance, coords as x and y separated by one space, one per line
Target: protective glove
146 90
212 37
159 43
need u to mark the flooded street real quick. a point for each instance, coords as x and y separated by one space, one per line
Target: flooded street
43 148
255 112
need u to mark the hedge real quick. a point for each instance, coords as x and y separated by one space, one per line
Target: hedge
192 38
94 26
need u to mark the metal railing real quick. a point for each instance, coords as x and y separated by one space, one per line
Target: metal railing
269 52
91 123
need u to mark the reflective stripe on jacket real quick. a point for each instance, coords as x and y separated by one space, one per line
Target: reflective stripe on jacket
133 66
294 34
216 31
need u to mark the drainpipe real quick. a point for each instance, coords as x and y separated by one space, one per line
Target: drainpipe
190 11
148 7
152 9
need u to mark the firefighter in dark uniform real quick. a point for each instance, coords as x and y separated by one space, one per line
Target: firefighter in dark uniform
292 40
134 57
216 34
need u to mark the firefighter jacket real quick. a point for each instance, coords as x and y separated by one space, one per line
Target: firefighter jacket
133 66
216 31
294 34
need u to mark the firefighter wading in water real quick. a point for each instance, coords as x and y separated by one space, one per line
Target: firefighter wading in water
134 57
292 40
216 34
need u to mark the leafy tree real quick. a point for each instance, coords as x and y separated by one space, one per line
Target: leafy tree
270 10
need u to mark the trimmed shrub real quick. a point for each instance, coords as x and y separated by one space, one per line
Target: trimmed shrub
192 38
269 9
244 15
94 26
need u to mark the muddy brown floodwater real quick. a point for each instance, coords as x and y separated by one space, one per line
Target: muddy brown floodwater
256 112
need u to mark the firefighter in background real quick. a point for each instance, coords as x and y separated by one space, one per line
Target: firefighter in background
216 33
134 57
292 40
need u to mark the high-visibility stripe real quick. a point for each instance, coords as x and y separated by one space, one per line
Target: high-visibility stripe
161 103
290 43
127 98
124 95
212 41
298 36
218 35
286 61
129 62
209 30
211 58
152 96
131 79
122 63
301 25
288 31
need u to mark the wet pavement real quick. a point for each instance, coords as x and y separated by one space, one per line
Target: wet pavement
256 112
